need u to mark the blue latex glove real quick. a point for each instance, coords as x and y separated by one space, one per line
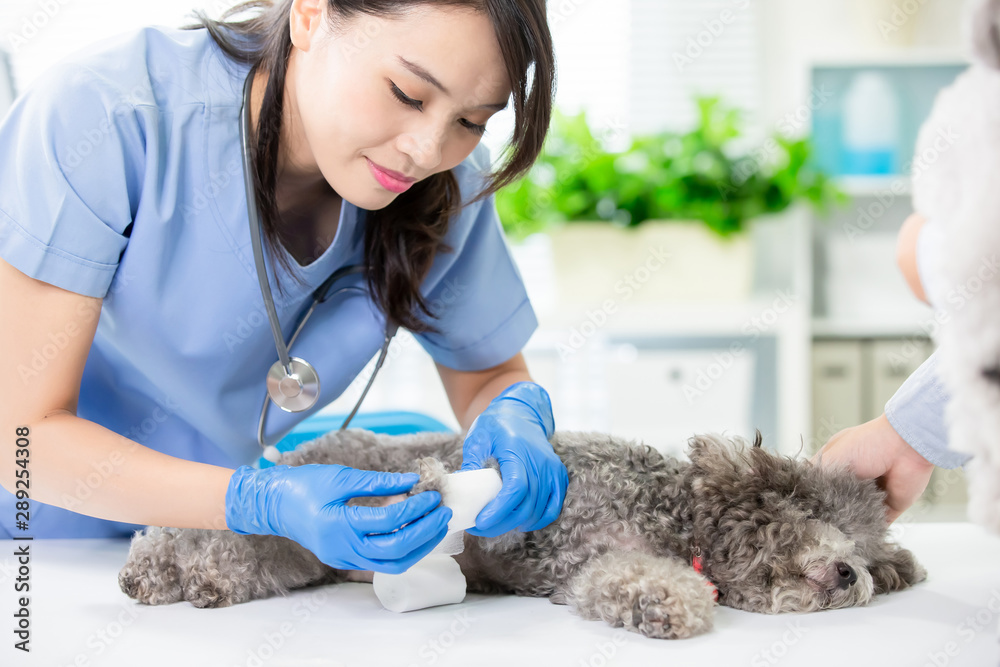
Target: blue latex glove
308 504
515 429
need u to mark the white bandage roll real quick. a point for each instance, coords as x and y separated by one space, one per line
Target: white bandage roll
437 579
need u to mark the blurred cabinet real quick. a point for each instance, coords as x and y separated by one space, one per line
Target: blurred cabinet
662 390
853 379
837 388
679 393
890 362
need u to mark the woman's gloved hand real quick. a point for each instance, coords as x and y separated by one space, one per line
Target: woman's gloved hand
515 429
308 504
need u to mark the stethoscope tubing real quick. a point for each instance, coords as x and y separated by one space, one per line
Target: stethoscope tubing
255 228
320 294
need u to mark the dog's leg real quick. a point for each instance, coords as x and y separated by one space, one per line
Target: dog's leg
215 568
654 596
219 568
151 575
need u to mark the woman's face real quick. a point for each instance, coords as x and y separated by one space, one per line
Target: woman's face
361 103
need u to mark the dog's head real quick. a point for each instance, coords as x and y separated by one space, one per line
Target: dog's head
778 534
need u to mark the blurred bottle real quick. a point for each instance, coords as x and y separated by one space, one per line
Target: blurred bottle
871 126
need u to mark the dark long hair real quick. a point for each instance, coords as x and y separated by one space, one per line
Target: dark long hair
401 239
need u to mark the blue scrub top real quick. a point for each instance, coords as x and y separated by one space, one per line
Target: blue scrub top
121 177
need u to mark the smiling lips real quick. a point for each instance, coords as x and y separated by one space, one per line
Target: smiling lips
390 180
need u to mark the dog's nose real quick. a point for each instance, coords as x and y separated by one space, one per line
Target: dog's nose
846 576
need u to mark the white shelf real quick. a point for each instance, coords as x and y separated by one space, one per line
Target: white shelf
823 327
919 57
764 315
899 185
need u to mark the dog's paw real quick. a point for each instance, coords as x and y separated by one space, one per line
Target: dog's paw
657 597
432 475
206 593
148 585
150 574
660 614
651 617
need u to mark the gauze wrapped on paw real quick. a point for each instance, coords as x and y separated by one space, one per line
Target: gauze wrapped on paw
437 579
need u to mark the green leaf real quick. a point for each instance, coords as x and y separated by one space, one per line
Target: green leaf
691 175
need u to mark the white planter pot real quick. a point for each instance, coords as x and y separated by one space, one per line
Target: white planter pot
664 261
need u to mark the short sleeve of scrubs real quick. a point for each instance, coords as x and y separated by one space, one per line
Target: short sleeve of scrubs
483 313
70 161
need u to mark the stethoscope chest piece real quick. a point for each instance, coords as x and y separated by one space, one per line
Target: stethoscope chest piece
295 391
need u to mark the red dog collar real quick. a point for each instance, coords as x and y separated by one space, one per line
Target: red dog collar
698 567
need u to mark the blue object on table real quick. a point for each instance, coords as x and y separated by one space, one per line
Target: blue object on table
399 422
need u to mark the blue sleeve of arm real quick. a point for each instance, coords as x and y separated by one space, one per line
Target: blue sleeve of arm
71 161
483 312
917 413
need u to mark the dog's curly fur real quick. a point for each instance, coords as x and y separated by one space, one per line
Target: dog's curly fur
774 534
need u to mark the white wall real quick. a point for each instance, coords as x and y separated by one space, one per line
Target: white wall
39 33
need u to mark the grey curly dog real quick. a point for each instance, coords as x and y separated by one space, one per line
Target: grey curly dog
772 533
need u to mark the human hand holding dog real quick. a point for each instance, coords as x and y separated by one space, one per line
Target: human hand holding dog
515 429
308 504
874 450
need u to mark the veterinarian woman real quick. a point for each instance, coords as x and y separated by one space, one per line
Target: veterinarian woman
122 195
902 446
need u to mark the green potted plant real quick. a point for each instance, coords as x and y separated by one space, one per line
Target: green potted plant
691 194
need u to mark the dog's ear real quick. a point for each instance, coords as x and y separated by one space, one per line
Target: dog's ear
895 569
710 450
721 458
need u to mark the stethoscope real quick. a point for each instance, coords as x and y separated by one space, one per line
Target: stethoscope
292 383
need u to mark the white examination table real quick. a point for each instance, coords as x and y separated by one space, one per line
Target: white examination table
80 617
